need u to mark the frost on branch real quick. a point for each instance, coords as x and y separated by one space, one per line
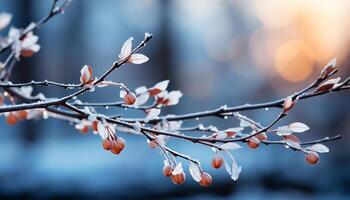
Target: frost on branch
20 102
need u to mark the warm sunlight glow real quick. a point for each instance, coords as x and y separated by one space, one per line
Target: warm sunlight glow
294 60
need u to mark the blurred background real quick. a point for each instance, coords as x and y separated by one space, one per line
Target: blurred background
216 52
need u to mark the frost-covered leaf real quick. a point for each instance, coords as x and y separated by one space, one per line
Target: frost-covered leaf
174 97
230 146
138 58
292 141
234 170
126 49
178 169
296 127
5 19
195 171
141 99
320 148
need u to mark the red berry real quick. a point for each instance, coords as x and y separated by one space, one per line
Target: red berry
118 145
167 170
206 180
253 142
11 119
217 161
312 158
107 145
129 98
178 179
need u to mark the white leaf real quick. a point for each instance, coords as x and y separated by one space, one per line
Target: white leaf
298 127
140 90
283 130
126 49
141 99
178 169
138 58
320 148
230 146
235 170
29 40
174 97
5 19
162 85
195 171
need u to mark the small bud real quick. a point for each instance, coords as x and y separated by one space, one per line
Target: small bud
312 158
86 74
129 98
288 104
253 142
178 179
261 136
329 68
107 145
328 85
206 180
167 170
11 119
217 161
